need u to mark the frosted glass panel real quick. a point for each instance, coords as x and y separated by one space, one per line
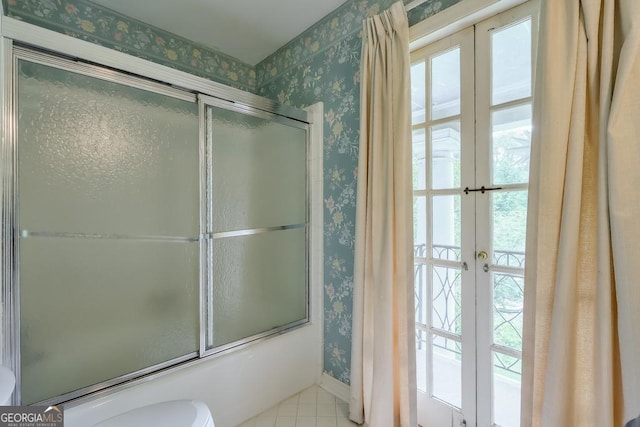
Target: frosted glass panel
100 157
95 309
259 172
259 283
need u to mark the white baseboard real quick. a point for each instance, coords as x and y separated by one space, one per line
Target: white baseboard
335 387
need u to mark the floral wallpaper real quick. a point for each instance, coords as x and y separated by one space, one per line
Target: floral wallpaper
333 28
94 23
333 77
323 64
341 23
427 9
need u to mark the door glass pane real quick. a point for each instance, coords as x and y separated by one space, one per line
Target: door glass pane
259 171
419 160
446 370
445 155
420 284
95 309
508 303
445 84
259 283
99 157
418 93
511 144
421 359
507 372
511 62
445 228
446 299
420 226
509 211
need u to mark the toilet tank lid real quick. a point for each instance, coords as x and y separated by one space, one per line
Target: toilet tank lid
188 413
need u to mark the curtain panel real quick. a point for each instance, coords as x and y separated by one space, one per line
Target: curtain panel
383 377
582 300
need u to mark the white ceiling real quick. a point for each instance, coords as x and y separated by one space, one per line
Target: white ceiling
249 30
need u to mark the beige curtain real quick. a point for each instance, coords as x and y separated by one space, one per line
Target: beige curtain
582 298
383 384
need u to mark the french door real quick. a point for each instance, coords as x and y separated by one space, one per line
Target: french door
472 99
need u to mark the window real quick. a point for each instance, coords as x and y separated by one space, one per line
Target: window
472 97
143 228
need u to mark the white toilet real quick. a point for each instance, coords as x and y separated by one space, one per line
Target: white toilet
175 413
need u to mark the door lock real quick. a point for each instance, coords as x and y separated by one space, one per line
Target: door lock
482 255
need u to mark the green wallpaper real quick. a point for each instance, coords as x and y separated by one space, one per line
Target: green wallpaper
427 9
331 30
333 76
321 64
96 24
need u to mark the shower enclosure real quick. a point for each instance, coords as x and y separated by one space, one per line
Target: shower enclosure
144 226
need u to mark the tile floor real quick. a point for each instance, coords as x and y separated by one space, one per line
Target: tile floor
313 407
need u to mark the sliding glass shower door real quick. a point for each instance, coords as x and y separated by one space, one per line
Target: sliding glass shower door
143 226
108 221
258 224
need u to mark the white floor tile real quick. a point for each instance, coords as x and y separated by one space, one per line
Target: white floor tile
286 422
307 410
306 422
265 422
326 422
326 410
288 410
325 397
313 407
309 395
